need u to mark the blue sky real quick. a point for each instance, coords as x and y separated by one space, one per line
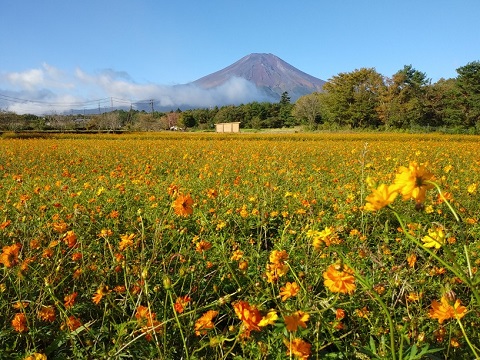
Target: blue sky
61 52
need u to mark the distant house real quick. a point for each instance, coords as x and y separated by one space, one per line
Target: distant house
232 127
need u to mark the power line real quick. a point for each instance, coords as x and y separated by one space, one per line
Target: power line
26 101
90 104
78 103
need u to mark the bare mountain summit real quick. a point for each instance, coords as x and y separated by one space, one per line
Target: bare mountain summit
269 73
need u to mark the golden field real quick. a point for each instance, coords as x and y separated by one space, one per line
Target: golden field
240 246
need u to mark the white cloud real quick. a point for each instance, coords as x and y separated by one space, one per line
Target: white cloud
27 80
49 89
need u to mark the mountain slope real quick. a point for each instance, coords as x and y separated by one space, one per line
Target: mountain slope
269 73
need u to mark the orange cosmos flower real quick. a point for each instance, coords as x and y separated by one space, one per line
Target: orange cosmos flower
243 265
182 206
126 241
76 256
381 197
114 214
236 255
172 190
289 290
60 227
4 224
148 321
278 257
202 246
339 279
298 318
298 348
47 313
9 256
277 266
70 300
411 260
20 305
72 323
70 239
212 193
181 303
105 233
205 322
412 183
99 294
249 315
19 323
35 244
443 310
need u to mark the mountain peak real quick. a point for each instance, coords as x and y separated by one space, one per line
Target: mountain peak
269 73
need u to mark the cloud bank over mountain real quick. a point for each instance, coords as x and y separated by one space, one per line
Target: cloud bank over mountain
47 89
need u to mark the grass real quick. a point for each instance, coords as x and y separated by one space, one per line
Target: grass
105 255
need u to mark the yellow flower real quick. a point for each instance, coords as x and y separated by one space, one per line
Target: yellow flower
443 310
339 278
289 290
269 319
412 183
381 197
236 255
435 238
327 236
472 188
36 356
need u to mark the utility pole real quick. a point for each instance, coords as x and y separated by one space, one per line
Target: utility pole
151 103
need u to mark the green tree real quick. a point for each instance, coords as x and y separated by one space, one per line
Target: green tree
285 116
352 98
468 84
307 109
442 104
285 98
188 119
402 103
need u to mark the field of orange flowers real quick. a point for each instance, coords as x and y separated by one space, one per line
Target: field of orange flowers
206 246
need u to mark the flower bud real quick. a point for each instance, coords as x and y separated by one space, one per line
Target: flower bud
167 283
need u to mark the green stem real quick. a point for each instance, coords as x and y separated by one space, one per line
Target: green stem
178 323
451 268
445 200
385 309
468 340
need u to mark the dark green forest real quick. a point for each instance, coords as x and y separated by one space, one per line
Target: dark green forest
361 99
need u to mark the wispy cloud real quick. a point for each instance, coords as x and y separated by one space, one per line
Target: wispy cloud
48 89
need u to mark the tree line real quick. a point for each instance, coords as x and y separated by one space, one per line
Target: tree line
365 99
361 99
